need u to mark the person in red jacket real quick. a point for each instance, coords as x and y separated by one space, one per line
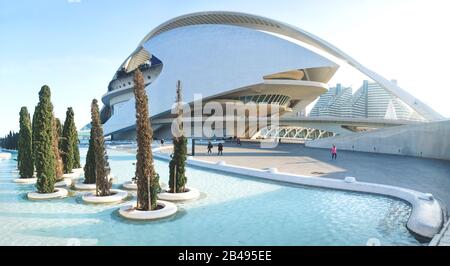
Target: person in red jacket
333 152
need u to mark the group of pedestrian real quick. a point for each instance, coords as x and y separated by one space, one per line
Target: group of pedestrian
237 140
219 148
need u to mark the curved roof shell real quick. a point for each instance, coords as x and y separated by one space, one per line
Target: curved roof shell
274 26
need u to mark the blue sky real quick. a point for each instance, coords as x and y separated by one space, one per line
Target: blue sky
75 46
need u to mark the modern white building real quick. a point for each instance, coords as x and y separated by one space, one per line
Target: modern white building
336 102
370 101
235 58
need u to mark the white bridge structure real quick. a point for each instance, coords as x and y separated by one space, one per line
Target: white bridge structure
293 133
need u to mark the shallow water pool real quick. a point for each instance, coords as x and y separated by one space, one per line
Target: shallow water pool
233 210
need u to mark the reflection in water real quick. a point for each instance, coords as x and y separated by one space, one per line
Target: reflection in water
232 211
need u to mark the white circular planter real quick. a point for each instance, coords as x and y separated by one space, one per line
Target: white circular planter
73 175
78 170
116 196
67 182
130 212
191 194
130 185
25 181
82 186
58 194
133 186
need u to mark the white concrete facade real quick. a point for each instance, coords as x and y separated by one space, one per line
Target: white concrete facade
277 27
219 53
219 59
428 140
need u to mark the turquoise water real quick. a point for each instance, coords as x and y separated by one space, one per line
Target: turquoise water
232 211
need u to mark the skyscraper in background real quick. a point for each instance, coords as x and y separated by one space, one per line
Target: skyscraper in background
336 102
369 101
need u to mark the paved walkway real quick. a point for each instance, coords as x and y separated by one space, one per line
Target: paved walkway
426 175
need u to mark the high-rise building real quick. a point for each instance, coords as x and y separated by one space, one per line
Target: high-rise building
373 101
369 101
336 102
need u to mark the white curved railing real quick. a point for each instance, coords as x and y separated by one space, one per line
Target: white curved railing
426 219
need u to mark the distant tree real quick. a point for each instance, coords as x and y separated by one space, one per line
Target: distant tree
103 184
67 142
25 152
43 136
10 141
177 171
147 178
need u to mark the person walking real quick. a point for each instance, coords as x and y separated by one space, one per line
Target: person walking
238 141
220 148
210 146
333 152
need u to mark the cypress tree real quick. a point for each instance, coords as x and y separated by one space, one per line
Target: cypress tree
44 155
147 178
89 167
59 132
76 150
25 152
67 142
33 139
59 167
101 166
76 153
177 176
